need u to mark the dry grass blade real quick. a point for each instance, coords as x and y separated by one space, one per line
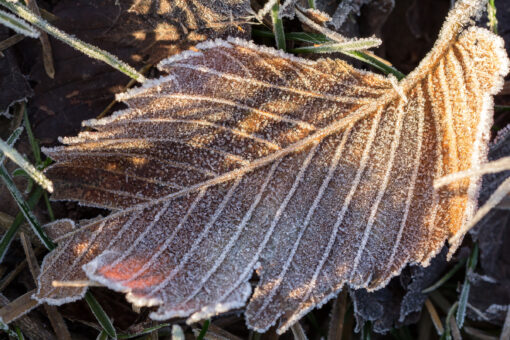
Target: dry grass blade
312 173
336 324
454 328
31 327
298 331
424 327
478 334
45 42
11 41
6 221
17 308
223 334
12 275
434 317
56 319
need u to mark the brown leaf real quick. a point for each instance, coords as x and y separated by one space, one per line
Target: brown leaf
131 30
244 158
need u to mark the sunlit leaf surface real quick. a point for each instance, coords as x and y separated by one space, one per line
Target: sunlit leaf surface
312 173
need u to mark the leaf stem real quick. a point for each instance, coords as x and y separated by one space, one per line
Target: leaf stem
88 49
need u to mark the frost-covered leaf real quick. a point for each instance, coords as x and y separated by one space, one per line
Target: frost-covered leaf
312 173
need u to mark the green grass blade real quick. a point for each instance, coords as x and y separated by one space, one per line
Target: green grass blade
7 330
375 63
491 13
445 278
464 294
90 50
361 44
19 335
102 336
18 25
278 27
14 155
25 208
48 206
312 38
13 229
204 329
11 141
19 172
33 143
447 331
366 331
502 107
316 38
311 4
100 315
36 150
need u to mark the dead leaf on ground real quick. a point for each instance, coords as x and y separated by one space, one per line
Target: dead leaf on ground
401 301
312 173
138 32
14 86
493 236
